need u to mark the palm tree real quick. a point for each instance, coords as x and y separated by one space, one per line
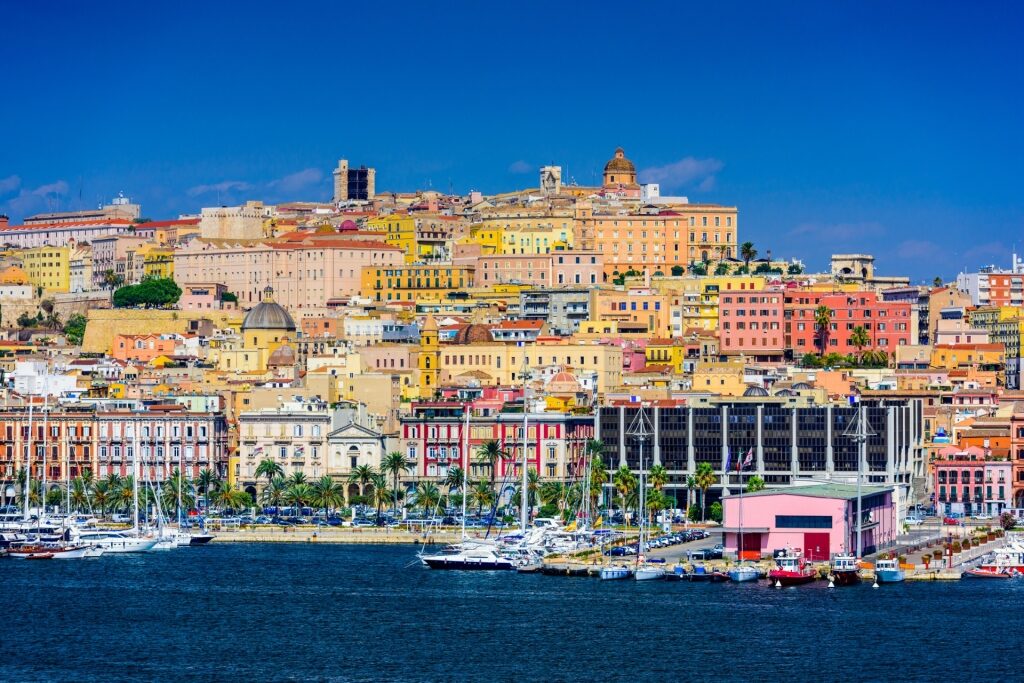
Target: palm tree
657 477
273 493
169 493
598 478
823 321
489 453
269 468
297 477
691 484
362 475
859 338
101 495
754 484
328 494
454 479
381 495
225 496
395 464
552 493
207 480
747 253
124 497
80 493
427 496
482 494
625 483
705 478
299 495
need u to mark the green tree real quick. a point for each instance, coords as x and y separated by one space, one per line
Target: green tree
81 493
693 513
715 512
937 282
74 329
427 497
552 493
795 269
722 268
273 493
677 271
101 496
705 478
395 464
227 497
154 292
691 486
169 494
859 338
481 495
748 253
657 476
754 484
207 480
489 453
625 485
823 322
270 469
363 475
381 495
699 268
328 494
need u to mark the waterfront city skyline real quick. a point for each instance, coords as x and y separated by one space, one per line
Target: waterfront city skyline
836 128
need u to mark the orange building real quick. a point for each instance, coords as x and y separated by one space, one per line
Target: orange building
142 347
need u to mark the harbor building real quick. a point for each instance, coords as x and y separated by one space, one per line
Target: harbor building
789 438
819 519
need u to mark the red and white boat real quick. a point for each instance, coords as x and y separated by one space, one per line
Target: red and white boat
1007 560
988 574
791 570
66 552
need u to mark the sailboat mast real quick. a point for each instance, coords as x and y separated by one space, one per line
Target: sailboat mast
739 550
862 437
180 475
524 506
28 459
465 467
46 435
135 478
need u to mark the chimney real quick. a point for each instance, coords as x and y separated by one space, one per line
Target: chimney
3 221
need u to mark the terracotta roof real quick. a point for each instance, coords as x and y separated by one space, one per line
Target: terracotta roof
69 224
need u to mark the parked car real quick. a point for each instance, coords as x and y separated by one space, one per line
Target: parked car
913 520
983 515
951 521
120 518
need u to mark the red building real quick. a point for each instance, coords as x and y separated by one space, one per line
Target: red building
751 323
434 437
887 323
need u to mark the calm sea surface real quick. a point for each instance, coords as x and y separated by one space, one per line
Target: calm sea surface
364 613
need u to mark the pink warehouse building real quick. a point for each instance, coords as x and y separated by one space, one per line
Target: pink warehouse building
819 519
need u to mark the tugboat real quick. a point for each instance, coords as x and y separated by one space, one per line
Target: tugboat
888 571
791 570
843 571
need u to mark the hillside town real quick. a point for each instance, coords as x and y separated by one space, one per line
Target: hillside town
471 334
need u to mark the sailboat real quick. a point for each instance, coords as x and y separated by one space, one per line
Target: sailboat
743 572
468 554
644 571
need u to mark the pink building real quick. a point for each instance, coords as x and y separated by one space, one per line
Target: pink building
966 483
819 519
306 270
751 323
142 347
560 268
204 296
887 323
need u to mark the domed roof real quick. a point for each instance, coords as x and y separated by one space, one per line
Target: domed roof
785 392
472 334
800 386
348 225
563 383
619 163
268 315
754 390
283 356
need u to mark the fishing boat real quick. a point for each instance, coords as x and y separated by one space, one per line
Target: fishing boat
791 570
744 572
979 573
615 572
843 570
888 571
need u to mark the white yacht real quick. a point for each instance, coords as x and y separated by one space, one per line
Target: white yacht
113 541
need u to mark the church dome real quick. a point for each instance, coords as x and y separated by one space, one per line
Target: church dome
473 333
620 164
268 315
754 390
283 356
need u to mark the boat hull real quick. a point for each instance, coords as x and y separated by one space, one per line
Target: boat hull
985 574
614 573
649 574
889 575
200 539
846 577
789 578
742 574
469 565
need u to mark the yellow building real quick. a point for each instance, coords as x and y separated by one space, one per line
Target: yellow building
266 343
399 230
635 310
524 232
48 267
157 261
723 378
415 282
671 352
959 356
428 362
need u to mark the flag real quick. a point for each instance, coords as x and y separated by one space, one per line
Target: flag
598 522
749 459
257 450
728 458
571 526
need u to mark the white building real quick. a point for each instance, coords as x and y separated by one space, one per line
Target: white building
33 377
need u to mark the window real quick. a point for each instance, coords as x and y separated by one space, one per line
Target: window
803 522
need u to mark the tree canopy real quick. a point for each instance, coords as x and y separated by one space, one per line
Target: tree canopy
74 329
150 293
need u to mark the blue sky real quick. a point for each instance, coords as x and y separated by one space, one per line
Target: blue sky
891 128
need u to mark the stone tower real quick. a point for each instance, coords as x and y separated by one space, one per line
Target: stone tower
429 358
341 181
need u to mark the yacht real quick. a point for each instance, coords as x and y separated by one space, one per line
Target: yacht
648 572
479 557
113 541
60 552
615 572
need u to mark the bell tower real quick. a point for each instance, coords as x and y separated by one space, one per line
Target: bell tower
429 358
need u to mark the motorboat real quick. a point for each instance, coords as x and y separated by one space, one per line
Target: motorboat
472 558
889 571
615 572
791 570
843 570
1008 558
979 573
701 573
9 538
744 572
113 541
